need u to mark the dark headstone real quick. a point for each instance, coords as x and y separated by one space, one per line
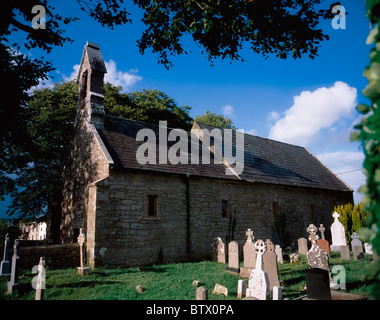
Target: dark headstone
318 284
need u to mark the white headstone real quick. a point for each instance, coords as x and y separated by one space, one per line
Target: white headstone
337 233
277 293
368 248
278 251
242 288
258 284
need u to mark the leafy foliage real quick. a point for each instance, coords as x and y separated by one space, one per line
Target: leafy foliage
222 28
352 217
216 120
7 227
369 136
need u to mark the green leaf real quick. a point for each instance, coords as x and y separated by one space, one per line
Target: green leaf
354 136
372 35
372 90
372 73
363 108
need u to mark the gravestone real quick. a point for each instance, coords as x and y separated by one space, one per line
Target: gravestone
345 252
81 240
357 253
13 283
318 284
5 264
302 246
357 247
249 255
278 251
40 285
219 289
201 293
316 257
218 250
295 259
338 234
270 264
325 246
242 288
355 242
277 293
258 281
233 257
322 230
368 248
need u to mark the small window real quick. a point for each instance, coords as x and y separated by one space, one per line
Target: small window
313 211
275 210
224 209
152 206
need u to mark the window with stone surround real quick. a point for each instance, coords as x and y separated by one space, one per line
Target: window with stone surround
152 206
224 208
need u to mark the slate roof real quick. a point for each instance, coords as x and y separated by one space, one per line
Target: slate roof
265 160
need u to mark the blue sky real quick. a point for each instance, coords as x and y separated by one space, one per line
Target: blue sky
305 102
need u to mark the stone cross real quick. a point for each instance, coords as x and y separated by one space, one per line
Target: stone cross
40 287
356 240
82 269
322 231
316 257
312 230
258 284
249 234
338 234
5 264
249 255
260 249
13 283
81 240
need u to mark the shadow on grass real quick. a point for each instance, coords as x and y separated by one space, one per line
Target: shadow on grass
293 281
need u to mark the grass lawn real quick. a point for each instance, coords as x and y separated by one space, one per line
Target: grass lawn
173 281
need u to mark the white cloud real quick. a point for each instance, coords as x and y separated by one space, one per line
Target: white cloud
348 166
228 111
120 78
114 76
273 116
313 111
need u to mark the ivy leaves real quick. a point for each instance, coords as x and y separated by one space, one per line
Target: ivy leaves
369 136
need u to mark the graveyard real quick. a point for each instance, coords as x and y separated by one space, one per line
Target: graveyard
174 281
258 271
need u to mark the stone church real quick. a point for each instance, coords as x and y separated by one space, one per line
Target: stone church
135 214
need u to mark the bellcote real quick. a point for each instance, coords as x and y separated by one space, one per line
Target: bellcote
91 88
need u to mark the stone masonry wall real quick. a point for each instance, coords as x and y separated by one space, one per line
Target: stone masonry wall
56 256
85 164
125 235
